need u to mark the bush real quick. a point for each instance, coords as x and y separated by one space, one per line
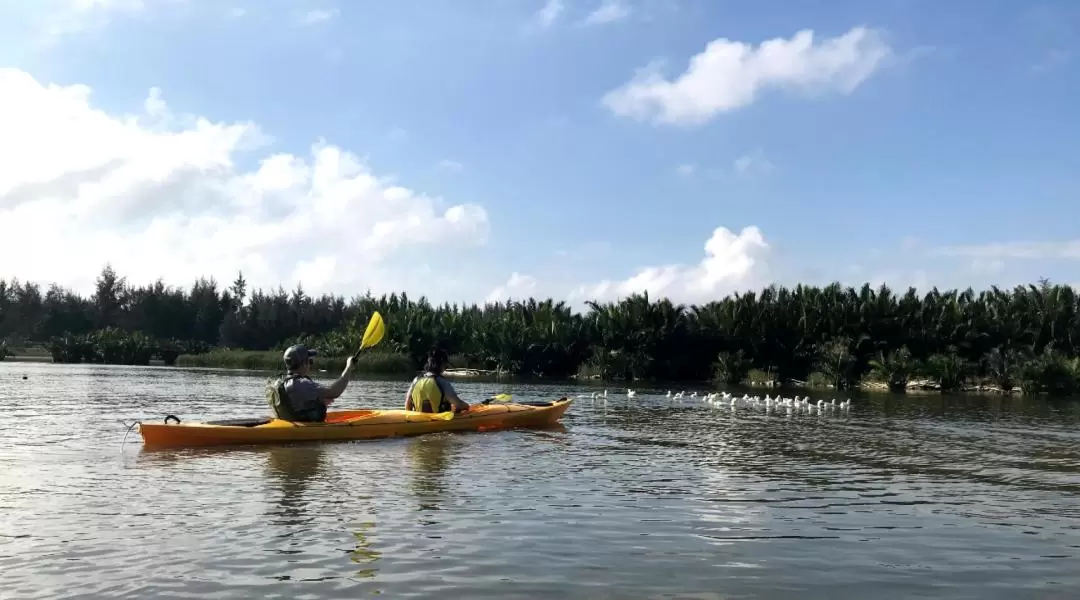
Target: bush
732 368
384 363
894 368
1050 373
949 370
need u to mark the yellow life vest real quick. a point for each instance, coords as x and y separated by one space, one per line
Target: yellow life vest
427 394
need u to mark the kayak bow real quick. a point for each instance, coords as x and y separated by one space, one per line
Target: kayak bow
351 425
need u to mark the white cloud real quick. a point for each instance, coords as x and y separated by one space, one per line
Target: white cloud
1068 250
990 267
546 16
609 11
732 262
451 165
729 75
319 16
84 5
518 287
161 194
752 163
52 20
686 169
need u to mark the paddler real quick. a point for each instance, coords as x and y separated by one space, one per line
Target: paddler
296 397
431 392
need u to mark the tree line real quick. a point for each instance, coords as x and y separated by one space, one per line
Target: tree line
1027 336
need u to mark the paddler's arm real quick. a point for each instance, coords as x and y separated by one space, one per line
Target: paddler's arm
451 394
329 393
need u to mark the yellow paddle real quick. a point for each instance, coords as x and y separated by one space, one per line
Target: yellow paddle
498 398
374 333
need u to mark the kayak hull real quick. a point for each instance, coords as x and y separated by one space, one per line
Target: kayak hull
352 425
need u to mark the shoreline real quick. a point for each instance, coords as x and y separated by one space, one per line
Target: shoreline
919 387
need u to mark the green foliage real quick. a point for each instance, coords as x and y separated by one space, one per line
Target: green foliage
1050 372
838 365
761 377
732 368
949 369
106 346
894 368
1029 335
817 379
375 363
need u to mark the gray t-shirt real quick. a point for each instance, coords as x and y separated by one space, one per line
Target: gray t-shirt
305 395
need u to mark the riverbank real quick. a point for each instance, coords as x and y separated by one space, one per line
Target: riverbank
25 354
399 365
390 363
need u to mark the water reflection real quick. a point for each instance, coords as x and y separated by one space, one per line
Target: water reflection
293 468
363 554
429 457
298 471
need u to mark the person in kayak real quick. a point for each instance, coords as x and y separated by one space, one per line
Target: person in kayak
296 397
431 392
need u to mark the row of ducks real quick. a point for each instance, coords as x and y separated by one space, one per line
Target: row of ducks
748 401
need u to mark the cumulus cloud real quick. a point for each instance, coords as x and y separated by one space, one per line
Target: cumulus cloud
163 194
729 75
732 262
518 287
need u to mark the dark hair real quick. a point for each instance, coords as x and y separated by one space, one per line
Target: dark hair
437 359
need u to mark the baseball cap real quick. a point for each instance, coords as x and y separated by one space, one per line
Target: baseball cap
298 354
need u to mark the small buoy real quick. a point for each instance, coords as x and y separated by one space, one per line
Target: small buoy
25 377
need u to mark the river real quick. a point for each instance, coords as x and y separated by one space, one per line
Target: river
897 497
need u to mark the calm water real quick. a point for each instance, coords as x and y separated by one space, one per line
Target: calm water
897 498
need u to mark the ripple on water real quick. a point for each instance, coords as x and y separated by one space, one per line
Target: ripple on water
896 498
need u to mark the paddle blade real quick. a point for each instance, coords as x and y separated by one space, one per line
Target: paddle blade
498 398
375 331
445 416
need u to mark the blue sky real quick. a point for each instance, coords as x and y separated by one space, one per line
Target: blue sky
951 161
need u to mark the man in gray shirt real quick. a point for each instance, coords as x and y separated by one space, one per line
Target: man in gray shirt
298 397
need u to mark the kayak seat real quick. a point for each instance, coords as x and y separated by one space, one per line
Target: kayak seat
240 422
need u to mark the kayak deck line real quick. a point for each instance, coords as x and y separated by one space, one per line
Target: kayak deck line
356 424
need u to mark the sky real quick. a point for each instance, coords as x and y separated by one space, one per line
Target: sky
481 150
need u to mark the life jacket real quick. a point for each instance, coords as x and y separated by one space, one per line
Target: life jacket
427 392
278 398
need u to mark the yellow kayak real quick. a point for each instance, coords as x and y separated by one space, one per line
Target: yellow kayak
351 425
